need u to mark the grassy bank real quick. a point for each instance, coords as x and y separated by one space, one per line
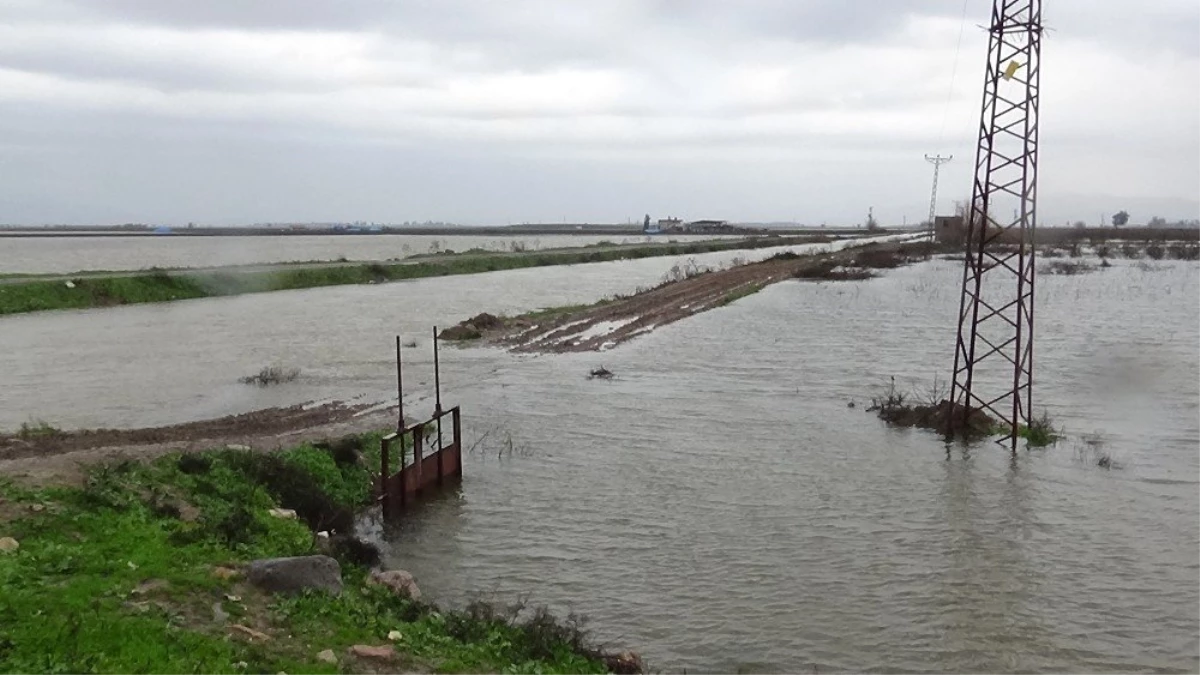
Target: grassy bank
165 286
133 572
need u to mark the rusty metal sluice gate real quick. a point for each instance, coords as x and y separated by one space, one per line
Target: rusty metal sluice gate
434 461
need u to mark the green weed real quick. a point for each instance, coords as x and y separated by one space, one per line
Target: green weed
734 296
117 576
37 429
1040 432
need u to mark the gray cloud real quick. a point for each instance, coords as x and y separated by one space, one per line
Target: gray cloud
228 111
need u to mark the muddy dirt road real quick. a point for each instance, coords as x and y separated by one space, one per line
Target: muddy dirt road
609 323
45 456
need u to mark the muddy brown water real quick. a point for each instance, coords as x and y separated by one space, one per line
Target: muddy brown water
717 505
62 255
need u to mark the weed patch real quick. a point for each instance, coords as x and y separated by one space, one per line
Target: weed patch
108 580
745 291
270 375
1039 433
942 416
37 429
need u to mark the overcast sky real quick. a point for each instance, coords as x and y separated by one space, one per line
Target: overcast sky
236 111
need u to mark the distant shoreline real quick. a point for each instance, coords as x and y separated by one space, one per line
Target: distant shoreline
83 290
440 231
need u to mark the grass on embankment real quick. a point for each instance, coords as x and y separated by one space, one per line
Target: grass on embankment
162 286
121 575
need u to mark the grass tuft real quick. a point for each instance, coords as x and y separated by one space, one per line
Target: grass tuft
37 429
738 294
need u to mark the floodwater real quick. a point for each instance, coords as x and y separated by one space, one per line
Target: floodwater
718 506
54 255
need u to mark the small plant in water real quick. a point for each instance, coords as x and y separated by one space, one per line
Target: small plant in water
1040 432
891 400
37 429
1090 449
271 375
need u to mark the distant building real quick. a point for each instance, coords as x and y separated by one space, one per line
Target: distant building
702 226
670 224
948 229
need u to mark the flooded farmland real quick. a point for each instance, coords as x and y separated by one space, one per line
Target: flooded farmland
63 255
718 506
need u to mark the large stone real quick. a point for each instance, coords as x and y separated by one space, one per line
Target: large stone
400 582
225 573
383 652
293 575
249 632
625 663
327 656
8 544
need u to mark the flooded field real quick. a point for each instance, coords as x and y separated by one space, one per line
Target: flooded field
717 505
52 255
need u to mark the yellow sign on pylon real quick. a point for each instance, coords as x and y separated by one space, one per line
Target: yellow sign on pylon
1011 70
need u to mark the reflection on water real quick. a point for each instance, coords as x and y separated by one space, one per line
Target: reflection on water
717 505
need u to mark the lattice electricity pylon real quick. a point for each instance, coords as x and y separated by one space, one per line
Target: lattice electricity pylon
937 161
993 356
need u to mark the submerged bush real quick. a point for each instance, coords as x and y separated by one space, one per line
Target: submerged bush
37 429
270 375
1040 432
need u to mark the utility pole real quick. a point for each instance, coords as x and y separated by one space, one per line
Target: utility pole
993 354
937 161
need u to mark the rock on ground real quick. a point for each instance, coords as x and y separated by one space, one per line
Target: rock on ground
8 544
625 663
293 575
400 582
327 656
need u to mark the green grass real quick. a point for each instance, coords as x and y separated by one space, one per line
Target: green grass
37 429
1039 433
78 598
163 286
734 296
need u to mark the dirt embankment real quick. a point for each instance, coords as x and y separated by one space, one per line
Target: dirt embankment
612 322
52 456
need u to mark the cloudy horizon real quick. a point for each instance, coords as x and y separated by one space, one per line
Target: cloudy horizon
226 112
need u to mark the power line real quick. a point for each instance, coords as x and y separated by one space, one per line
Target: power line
953 74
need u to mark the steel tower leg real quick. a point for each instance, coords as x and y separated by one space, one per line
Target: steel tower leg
993 355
